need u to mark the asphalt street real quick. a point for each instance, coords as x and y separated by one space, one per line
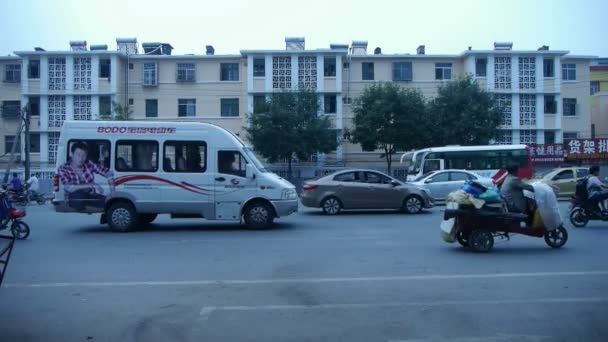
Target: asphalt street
362 276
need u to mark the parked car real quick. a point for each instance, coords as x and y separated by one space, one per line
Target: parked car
564 178
441 183
363 189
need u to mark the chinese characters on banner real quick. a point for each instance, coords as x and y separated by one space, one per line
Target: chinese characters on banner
547 153
587 149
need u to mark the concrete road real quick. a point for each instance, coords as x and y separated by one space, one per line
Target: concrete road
366 276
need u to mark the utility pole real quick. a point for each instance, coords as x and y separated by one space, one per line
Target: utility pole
26 124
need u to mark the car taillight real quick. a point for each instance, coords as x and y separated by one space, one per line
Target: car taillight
56 183
309 187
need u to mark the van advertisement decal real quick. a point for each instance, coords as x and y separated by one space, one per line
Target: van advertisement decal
135 130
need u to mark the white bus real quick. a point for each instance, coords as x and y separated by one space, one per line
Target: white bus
485 160
131 171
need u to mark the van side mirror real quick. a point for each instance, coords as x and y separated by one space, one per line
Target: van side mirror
249 172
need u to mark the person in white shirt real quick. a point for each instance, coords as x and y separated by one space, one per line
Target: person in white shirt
596 190
33 184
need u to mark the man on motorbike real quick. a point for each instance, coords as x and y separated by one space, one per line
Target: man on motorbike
16 184
596 190
33 185
513 191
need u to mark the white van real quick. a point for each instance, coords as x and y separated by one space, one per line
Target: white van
131 171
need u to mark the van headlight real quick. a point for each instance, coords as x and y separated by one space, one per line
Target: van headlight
289 194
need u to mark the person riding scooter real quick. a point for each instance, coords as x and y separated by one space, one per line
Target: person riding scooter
596 190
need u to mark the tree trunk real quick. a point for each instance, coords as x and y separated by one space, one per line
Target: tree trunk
289 175
389 158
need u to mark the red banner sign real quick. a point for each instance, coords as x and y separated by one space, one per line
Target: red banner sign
547 153
587 149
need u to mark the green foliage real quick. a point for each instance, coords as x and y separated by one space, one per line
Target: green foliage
288 125
463 114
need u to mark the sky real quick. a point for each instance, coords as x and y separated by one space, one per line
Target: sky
444 27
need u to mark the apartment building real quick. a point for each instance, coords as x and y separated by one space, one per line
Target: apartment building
543 93
599 98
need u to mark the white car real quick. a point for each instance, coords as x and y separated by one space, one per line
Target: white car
441 183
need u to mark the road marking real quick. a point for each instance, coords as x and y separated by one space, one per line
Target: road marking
337 238
495 338
427 277
206 311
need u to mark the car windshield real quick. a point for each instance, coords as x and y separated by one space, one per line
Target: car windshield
545 174
254 160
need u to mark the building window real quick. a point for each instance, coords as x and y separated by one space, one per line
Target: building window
53 145
8 144
527 136
56 108
34 142
82 73
150 74
186 107
307 72
186 72
549 137
230 107
104 68
57 73
569 72
281 72
34 106
33 69
11 109
550 104
502 72
548 68
367 71
443 71
402 71
527 72
259 104
346 65
82 107
329 67
569 107
105 106
569 136
481 67
12 73
527 110
131 67
185 156
504 103
347 100
259 67
151 108
131 102
329 104
595 87
229 72
504 137
136 156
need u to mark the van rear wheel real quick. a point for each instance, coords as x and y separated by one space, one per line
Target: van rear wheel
258 215
121 217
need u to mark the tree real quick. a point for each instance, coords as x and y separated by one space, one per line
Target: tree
121 113
289 125
389 117
463 114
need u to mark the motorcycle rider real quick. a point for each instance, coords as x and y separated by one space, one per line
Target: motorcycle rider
596 190
33 185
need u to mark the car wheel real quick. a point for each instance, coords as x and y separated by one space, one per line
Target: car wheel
259 215
412 204
331 206
122 217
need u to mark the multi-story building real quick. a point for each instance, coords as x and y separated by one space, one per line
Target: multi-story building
543 93
599 98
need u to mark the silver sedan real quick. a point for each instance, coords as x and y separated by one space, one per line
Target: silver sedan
441 183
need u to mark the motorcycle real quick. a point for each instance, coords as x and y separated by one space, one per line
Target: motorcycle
19 229
582 211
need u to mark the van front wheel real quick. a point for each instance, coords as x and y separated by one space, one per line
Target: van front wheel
121 217
258 215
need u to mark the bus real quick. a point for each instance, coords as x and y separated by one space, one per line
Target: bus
486 160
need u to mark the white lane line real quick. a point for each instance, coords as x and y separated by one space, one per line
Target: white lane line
337 238
496 338
206 311
428 277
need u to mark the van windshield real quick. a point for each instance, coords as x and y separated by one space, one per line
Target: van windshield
254 160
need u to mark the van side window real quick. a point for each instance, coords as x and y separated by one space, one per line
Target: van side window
231 163
185 156
97 151
136 156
